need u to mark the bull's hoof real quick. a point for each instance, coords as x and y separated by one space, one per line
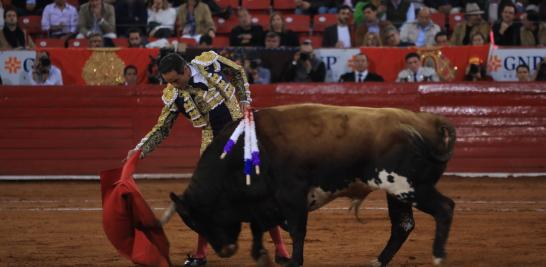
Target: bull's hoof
376 263
192 261
437 261
263 260
281 260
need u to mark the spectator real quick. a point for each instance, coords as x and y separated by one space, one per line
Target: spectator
392 38
135 38
95 40
422 31
358 13
360 73
161 19
246 33
533 32
205 41
522 73
339 34
196 20
473 23
478 39
288 37
305 67
130 14
312 7
400 11
60 20
476 71
506 31
415 72
29 7
96 16
440 39
371 23
257 73
372 39
541 71
272 40
445 6
130 75
43 72
12 36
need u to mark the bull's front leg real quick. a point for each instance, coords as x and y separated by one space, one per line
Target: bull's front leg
258 252
294 207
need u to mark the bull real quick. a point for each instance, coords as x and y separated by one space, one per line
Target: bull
311 154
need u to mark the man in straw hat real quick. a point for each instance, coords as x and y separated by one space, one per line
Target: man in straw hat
473 23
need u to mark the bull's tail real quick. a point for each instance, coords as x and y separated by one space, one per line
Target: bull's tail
168 214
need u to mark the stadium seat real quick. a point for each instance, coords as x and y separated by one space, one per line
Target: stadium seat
226 3
262 20
190 42
46 42
225 26
455 19
78 43
284 4
121 42
220 41
439 18
316 40
256 4
297 23
32 24
320 22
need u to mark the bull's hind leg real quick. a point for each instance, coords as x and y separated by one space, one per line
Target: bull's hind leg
430 201
258 252
402 224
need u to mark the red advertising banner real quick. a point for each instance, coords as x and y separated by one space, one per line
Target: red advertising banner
450 62
100 66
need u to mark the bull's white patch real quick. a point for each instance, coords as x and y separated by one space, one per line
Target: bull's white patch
393 183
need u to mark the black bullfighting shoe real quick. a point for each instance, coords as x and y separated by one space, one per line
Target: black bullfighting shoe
192 261
281 260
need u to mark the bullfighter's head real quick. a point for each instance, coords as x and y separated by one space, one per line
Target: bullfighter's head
221 232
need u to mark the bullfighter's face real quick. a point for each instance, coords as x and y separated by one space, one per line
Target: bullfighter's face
221 234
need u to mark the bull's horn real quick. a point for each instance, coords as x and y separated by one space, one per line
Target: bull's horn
168 214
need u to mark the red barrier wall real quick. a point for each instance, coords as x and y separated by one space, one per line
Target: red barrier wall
82 130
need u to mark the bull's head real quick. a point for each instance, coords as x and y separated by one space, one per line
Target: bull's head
222 234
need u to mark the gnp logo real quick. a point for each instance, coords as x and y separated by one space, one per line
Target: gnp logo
12 65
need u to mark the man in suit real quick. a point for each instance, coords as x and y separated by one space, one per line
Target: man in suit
415 72
360 73
339 35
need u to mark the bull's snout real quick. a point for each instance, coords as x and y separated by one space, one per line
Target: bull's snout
228 251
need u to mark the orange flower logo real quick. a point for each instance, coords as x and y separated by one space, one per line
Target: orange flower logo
494 63
12 65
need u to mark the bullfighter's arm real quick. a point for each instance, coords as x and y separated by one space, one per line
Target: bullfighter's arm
165 122
239 79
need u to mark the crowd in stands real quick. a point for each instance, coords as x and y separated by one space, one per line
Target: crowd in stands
350 23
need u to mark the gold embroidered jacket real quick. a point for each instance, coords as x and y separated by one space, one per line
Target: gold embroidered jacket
196 104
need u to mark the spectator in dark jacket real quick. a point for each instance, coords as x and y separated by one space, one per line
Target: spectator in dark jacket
506 31
305 67
288 37
246 33
340 34
360 73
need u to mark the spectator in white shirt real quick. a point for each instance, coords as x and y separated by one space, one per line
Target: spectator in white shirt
43 72
339 35
415 72
161 19
422 31
60 19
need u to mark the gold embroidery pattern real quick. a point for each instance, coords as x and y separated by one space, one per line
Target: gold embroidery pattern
104 67
433 58
239 78
198 120
159 132
170 93
206 138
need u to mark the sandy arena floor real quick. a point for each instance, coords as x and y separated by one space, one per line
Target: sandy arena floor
498 222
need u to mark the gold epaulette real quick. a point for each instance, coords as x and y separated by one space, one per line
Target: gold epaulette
206 59
170 93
